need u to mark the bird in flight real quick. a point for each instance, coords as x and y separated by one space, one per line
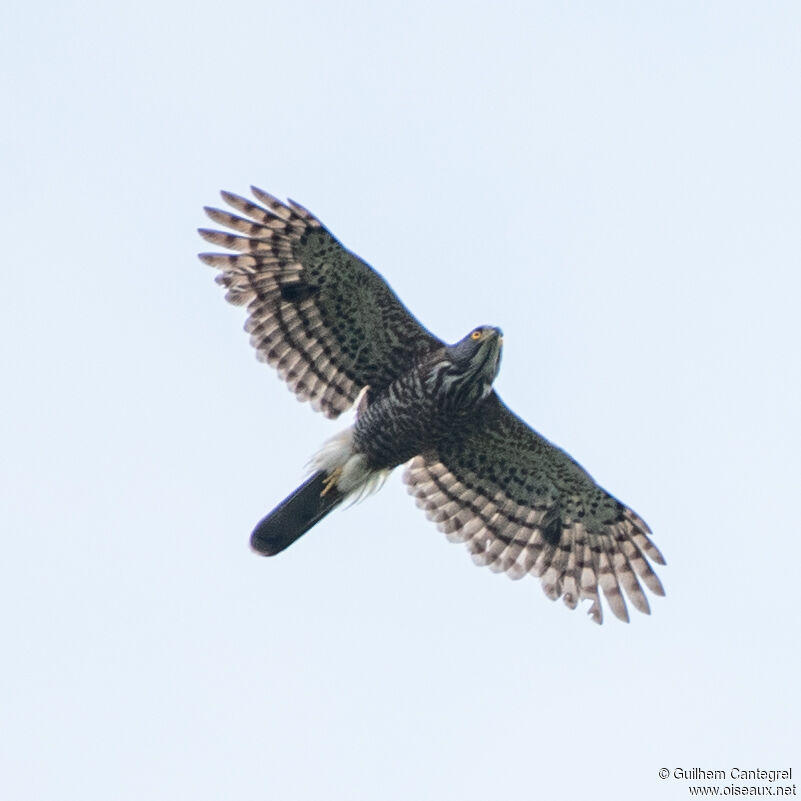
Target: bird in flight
338 335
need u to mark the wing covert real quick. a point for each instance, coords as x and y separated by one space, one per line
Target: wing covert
321 316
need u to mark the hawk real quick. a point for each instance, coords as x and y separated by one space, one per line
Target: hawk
338 335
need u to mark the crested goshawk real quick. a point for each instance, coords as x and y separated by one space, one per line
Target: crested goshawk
337 334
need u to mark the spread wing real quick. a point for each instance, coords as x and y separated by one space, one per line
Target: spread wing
320 315
523 506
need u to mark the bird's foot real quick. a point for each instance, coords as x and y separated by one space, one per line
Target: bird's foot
331 480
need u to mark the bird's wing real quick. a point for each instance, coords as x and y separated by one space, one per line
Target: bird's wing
320 315
523 506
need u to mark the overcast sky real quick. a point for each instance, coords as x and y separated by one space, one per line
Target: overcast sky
614 184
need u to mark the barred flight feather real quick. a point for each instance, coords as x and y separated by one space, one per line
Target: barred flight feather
302 289
574 569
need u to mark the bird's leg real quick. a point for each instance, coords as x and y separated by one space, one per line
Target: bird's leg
331 480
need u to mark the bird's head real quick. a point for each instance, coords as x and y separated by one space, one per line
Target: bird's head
474 362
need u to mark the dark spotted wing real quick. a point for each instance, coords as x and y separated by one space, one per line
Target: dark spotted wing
321 316
523 506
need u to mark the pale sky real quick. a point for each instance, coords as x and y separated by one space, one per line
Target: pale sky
614 184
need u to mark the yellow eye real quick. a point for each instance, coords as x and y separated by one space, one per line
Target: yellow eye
476 334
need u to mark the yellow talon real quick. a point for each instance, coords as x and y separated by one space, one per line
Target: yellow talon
331 481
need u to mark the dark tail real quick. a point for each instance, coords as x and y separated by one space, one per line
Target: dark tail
294 516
